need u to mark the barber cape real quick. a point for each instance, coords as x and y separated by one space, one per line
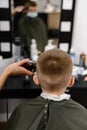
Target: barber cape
32 28
48 112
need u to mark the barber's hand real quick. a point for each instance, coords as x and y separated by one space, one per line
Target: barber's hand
17 69
17 9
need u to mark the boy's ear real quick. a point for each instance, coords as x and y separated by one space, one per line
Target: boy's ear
35 79
71 81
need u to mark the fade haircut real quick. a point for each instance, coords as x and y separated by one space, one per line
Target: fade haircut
54 69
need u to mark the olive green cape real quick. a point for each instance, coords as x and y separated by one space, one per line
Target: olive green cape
42 114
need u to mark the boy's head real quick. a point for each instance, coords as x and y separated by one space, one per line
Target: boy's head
31 6
54 70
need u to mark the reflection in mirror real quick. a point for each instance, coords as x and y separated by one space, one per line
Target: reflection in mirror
39 20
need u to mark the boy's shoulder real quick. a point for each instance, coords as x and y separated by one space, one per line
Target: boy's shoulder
31 104
73 108
72 105
76 105
25 114
39 103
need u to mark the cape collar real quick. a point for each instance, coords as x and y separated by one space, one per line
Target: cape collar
55 97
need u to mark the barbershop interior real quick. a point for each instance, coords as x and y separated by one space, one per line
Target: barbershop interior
29 28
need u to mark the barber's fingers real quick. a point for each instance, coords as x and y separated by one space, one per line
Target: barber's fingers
24 71
19 8
23 61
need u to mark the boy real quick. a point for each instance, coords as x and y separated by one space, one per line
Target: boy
14 69
53 109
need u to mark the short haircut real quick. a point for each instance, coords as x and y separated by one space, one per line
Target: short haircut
54 69
30 3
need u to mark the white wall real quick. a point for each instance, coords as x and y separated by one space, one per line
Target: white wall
79 40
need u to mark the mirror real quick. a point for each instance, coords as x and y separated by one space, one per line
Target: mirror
58 22
49 11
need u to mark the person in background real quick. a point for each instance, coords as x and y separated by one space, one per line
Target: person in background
53 109
14 69
30 26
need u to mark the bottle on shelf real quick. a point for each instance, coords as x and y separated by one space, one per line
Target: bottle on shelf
82 59
33 50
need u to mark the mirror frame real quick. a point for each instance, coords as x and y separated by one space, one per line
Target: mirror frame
5 35
67 18
67 15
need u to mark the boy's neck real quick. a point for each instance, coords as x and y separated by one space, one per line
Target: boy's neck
58 93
